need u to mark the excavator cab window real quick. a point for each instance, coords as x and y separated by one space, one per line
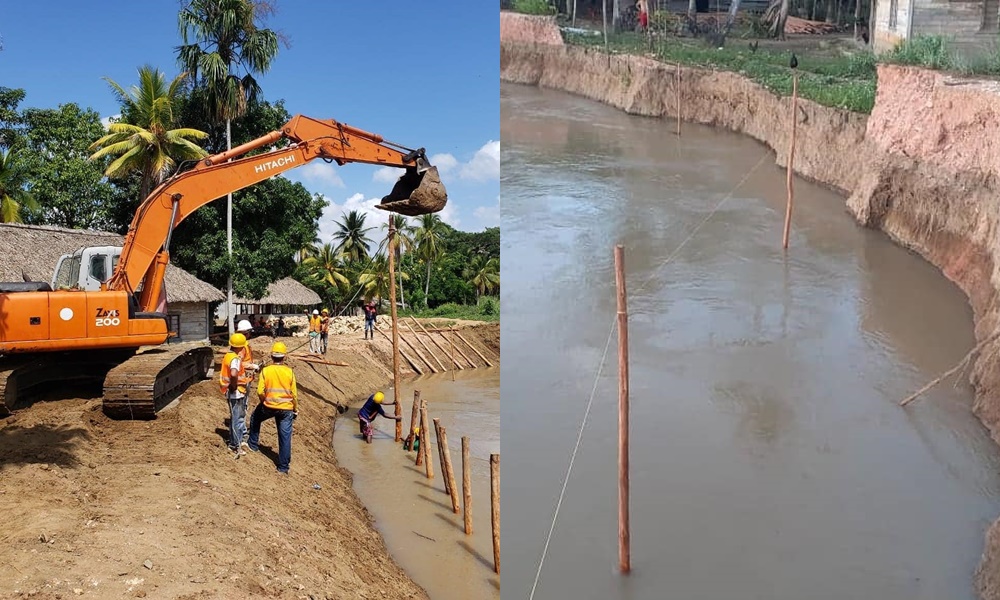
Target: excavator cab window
68 275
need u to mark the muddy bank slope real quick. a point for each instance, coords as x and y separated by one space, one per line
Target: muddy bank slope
105 509
923 167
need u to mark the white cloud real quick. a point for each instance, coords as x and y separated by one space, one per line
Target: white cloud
107 120
489 216
444 162
485 164
387 175
321 174
375 218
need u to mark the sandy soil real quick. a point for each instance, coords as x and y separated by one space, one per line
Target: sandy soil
160 509
922 167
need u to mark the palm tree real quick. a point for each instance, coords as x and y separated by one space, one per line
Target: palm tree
327 267
224 47
312 248
353 236
150 145
428 238
375 279
404 243
14 196
483 274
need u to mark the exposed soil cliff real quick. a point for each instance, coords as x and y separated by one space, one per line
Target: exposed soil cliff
923 167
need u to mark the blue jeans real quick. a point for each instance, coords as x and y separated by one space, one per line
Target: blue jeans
369 324
283 421
237 422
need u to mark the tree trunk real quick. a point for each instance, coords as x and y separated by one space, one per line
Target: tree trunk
692 9
427 285
778 26
831 11
616 16
229 235
734 7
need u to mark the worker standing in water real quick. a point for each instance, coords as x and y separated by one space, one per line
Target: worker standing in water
314 326
235 375
279 401
324 328
372 409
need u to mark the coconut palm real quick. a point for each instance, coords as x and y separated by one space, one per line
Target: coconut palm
327 267
353 236
375 279
149 144
483 274
429 243
223 46
14 197
403 243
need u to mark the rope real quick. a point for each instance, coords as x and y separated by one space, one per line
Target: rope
604 357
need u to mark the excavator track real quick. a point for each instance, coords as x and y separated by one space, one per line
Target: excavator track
23 377
139 387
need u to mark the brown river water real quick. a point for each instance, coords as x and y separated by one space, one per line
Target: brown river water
408 508
770 459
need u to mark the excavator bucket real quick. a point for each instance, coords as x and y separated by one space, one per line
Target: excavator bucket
416 193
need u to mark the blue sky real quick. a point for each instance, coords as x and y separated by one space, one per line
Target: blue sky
420 74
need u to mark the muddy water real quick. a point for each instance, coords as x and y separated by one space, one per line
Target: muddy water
769 457
408 508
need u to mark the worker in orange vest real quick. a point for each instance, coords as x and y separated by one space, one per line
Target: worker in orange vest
314 327
279 401
235 375
324 328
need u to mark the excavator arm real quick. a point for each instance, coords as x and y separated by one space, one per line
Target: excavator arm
145 252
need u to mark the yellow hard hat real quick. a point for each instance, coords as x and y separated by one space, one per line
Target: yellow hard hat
416 430
379 397
326 312
238 340
278 349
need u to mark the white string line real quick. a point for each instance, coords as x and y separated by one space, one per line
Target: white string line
604 357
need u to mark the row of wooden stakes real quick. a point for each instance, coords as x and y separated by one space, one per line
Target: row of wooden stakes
429 364
418 417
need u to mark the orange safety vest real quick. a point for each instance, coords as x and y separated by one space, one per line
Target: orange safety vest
241 379
277 387
324 324
314 324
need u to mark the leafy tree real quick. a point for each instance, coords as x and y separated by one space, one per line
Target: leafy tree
10 117
326 266
483 274
14 196
353 236
428 238
375 279
69 188
145 141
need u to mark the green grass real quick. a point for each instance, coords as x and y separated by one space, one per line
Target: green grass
534 7
935 52
846 82
488 309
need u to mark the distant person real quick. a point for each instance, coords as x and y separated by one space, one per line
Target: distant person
281 327
324 328
370 314
314 325
412 441
372 409
279 401
640 6
235 375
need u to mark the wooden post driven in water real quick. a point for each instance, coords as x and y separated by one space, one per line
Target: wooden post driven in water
678 98
791 157
466 485
444 471
425 441
495 508
624 543
449 471
397 396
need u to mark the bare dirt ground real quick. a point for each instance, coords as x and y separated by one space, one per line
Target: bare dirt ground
108 509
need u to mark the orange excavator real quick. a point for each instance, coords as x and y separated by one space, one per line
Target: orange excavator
114 335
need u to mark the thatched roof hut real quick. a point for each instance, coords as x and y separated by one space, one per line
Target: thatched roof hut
282 293
34 251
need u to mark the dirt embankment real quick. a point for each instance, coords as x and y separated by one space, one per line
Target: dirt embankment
105 509
923 167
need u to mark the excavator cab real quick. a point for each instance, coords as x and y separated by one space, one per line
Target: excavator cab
418 191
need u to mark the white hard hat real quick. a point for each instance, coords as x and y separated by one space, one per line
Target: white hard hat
244 325
315 312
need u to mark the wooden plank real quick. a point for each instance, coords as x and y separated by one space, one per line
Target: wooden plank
435 342
453 345
413 364
418 353
474 349
416 334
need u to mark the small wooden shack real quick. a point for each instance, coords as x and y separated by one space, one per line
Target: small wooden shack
32 251
283 297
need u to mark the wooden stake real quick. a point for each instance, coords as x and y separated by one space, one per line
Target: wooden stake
416 334
417 352
466 486
678 98
964 362
437 435
455 347
435 342
425 442
449 472
495 508
624 544
414 415
395 333
474 349
412 363
791 157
